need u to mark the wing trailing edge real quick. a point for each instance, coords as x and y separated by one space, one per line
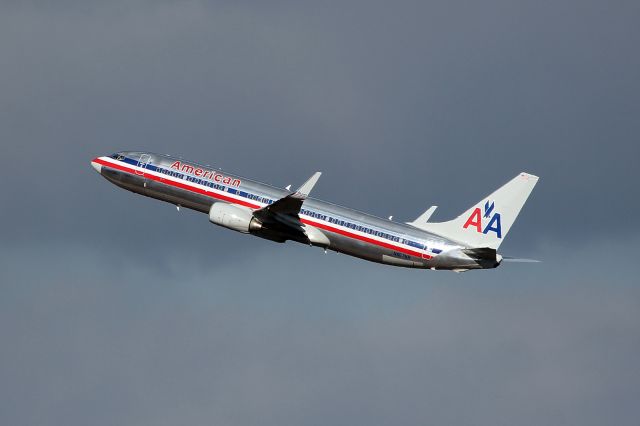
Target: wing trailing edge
282 216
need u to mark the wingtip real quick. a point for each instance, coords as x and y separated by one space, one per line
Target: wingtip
529 176
306 187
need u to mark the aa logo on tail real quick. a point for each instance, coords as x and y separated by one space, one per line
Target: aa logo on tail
493 224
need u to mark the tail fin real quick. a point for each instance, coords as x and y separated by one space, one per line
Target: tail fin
487 223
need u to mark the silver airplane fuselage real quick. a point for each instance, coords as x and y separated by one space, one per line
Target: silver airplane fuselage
329 226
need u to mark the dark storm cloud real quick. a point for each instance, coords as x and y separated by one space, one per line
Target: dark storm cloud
117 309
119 342
444 101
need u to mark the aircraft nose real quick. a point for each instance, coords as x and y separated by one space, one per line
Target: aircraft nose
97 166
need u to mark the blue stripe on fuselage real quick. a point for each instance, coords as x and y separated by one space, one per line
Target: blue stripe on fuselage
245 194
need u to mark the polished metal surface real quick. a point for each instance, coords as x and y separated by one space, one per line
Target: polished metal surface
168 178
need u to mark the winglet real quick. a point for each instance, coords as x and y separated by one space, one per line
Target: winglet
306 187
423 218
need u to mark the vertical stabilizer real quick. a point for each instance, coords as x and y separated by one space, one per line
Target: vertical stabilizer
487 223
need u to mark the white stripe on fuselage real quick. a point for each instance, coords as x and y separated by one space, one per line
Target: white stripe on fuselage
241 200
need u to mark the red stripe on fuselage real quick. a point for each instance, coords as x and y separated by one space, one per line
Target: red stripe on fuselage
180 185
365 239
212 194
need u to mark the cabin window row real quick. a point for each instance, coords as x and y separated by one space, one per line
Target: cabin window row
306 212
364 229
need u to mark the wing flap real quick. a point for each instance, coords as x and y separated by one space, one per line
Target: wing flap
283 215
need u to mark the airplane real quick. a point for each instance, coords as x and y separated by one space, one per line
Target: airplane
467 242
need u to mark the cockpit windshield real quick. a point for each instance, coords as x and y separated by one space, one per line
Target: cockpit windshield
117 156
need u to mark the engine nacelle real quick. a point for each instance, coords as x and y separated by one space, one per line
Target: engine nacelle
234 217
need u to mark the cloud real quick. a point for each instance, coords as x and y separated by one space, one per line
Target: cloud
446 112
117 309
97 335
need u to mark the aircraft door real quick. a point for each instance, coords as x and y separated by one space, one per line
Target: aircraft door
143 162
426 256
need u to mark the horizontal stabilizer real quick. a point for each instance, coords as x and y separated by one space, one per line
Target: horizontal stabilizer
519 260
484 253
423 218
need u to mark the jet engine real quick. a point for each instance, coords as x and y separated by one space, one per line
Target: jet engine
234 217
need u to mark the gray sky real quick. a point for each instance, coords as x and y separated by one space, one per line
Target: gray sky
116 309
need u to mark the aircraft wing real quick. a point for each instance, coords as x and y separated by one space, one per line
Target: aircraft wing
282 215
